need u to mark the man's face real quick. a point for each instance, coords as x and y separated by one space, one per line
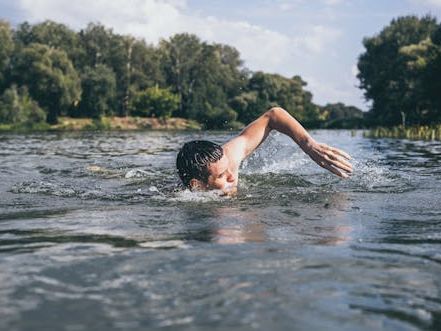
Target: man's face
220 176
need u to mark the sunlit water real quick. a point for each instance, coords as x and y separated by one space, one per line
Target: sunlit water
95 234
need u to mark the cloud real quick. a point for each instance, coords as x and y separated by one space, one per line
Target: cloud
286 5
354 70
337 89
435 3
332 2
153 19
147 18
293 4
320 37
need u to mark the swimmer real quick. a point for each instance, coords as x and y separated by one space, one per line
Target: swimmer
204 165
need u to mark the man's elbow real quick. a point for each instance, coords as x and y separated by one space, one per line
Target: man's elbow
276 111
274 114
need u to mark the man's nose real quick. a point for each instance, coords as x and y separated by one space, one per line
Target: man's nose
230 177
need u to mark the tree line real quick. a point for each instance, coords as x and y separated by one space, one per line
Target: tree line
48 70
400 73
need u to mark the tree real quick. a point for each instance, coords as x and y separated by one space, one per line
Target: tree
232 75
6 49
155 102
145 67
180 57
206 77
209 101
385 74
98 86
50 77
96 42
269 90
432 73
218 117
417 58
125 55
120 60
18 108
338 115
54 35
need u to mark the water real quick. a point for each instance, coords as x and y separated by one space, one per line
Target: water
95 235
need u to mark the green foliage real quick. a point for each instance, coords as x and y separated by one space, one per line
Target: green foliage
432 73
340 116
135 64
95 73
248 105
394 72
205 77
96 41
269 90
52 34
102 47
98 91
145 69
50 77
218 118
6 49
179 60
18 108
155 102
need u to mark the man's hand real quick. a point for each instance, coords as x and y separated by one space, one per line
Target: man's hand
330 158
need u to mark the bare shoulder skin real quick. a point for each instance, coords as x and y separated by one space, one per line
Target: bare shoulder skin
224 174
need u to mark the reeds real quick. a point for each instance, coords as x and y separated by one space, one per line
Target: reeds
414 132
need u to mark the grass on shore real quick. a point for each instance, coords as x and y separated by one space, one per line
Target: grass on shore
401 132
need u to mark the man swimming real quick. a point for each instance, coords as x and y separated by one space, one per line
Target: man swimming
204 165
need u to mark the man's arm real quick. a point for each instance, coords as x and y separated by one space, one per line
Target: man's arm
278 119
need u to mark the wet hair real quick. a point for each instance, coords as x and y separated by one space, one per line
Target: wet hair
194 158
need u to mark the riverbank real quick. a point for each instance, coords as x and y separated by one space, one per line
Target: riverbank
401 132
128 123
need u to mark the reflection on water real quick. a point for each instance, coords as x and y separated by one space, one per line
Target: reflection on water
95 233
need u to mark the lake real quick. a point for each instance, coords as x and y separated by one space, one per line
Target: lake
95 234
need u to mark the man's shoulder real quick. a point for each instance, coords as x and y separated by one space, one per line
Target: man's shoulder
234 149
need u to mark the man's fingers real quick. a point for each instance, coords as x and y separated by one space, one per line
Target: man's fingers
339 161
334 170
342 165
336 151
341 153
333 160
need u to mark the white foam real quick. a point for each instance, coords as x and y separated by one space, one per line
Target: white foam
136 173
275 166
152 189
200 196
164 244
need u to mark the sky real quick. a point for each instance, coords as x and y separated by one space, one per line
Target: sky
319 40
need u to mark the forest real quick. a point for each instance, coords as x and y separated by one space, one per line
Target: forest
48 70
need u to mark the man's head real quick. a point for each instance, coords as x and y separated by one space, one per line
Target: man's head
203 164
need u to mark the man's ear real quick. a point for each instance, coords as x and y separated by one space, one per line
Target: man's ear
196 184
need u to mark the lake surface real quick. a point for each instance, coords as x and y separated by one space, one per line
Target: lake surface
95 235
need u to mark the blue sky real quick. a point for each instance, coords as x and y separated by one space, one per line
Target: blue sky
317 39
